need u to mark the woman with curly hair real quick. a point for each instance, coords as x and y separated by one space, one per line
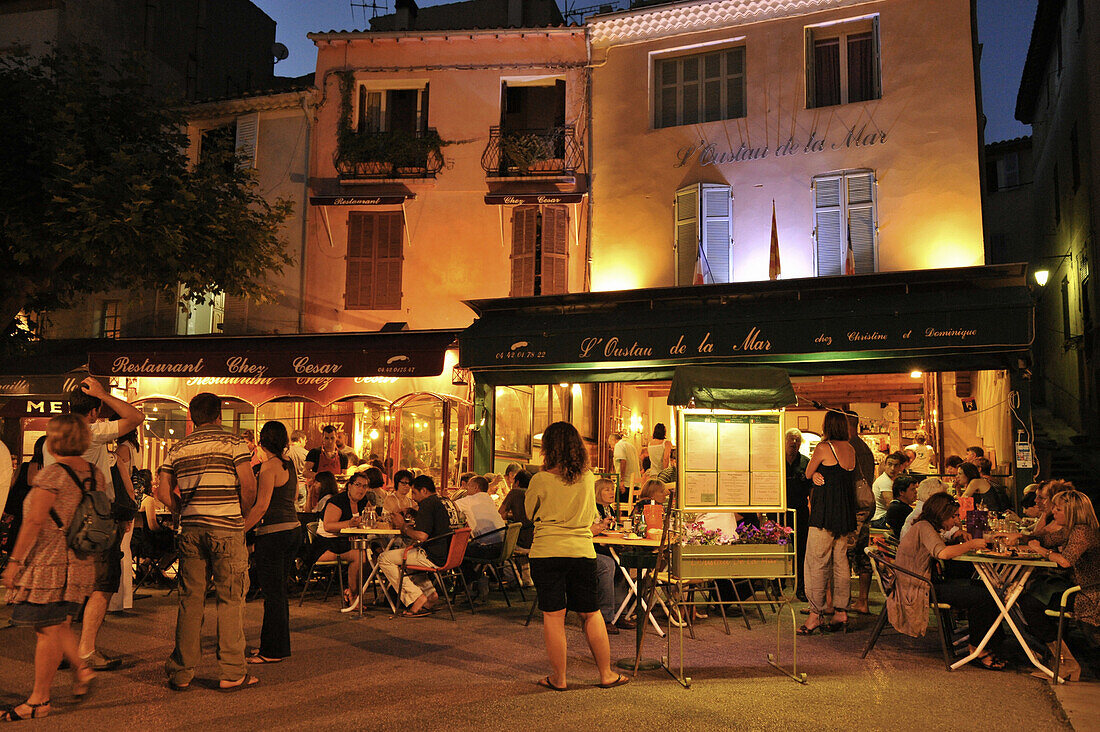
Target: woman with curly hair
561 501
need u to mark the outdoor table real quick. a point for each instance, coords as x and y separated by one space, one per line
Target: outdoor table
611 542
1005 578
360 535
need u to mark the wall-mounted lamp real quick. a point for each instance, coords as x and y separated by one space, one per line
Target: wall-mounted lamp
635 422
1042 276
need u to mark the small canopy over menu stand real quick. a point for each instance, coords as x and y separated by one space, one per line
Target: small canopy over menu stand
730 401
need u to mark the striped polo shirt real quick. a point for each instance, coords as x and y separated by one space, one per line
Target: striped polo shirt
204 466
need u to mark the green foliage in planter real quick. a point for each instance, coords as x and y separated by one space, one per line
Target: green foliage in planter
524 149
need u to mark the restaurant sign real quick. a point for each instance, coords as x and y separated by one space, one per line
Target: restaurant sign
682 336
360 200
706 153
533 198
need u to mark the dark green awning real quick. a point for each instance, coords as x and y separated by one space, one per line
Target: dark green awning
745 387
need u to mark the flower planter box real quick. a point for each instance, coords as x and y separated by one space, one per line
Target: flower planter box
730 561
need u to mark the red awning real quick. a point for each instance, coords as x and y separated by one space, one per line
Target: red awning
330 355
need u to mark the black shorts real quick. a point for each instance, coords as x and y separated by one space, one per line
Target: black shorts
108 567
42 615
337 545
566 583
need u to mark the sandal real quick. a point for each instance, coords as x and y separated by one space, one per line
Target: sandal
418 613
257 658
837 627
546 684
611 685
246 682
991 662
816 630
10 715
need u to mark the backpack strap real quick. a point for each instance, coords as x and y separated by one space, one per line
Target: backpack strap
79 484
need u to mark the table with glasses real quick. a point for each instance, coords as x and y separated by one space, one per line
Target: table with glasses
1005 577
361 536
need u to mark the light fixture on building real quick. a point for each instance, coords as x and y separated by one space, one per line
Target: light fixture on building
1042 276
635 422
916 374
373 435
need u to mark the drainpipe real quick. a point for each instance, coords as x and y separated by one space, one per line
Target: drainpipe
305 217
588 152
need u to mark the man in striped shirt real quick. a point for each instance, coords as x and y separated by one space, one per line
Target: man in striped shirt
208 480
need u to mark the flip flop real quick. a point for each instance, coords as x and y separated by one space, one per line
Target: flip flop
545 682
816 630
422 612
617 682
991 662
257 658
248 681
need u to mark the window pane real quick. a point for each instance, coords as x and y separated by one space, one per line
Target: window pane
735 97
691 68
691 104
712 65
667 72
668 107
735 61
826 72
861 68
712 101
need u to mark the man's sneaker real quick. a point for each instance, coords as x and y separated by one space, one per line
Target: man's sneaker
98 662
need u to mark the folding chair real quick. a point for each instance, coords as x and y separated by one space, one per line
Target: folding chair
887 573
507 551
1063 614
319 569
460 538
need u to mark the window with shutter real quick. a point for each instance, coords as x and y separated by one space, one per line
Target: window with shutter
687 234
699 88
844 212
248 127
525 230
374 260
704 216
555 251
843 63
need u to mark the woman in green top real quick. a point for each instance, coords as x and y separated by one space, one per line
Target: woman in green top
561 502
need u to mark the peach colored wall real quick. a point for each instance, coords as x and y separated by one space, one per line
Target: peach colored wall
929 200
456 247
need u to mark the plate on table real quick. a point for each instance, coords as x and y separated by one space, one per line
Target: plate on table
613 534
993 553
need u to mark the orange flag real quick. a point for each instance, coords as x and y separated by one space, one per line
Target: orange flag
773 260
850 256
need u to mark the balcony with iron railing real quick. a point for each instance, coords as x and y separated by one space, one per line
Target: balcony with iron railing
540 153
387 155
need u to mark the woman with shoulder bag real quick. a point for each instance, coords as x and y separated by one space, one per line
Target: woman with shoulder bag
832 519
46 580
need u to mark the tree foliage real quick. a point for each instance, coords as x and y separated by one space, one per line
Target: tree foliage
97 192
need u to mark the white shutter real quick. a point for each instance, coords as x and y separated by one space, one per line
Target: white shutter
687 233
248 127
861 220
828 227
716 232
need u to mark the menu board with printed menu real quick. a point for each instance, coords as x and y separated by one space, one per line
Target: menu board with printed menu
731 460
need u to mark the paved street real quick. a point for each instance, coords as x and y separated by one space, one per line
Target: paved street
380 673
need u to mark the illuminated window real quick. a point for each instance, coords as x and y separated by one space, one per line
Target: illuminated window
540 250
842 63
110 320
845 221
700 88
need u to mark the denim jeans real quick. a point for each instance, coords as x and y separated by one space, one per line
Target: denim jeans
220 554
274 554
605 575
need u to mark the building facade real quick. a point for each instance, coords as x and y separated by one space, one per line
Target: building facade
1009 201
447 164
1060 97
706 113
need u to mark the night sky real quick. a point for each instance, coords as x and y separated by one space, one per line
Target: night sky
1004 28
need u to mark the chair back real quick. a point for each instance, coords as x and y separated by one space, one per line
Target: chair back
457 552
511 538
311 531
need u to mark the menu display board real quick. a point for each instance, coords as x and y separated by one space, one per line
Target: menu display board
731 461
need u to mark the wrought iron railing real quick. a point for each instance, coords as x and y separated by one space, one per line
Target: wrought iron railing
553 151
397 154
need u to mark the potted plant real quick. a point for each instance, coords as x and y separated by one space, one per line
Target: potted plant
749 551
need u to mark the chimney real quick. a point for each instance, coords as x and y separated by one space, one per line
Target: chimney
406 14
515 13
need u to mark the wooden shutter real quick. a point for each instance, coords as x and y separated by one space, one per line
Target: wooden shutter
248 127
861 220
524 231
235 318
717 230
811 79
374 261
166 310
876 60
686 233
828 226
555 250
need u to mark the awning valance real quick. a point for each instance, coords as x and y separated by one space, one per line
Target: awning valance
325 356
738 387
979 317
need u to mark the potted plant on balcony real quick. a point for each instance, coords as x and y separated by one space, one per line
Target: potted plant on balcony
523 150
